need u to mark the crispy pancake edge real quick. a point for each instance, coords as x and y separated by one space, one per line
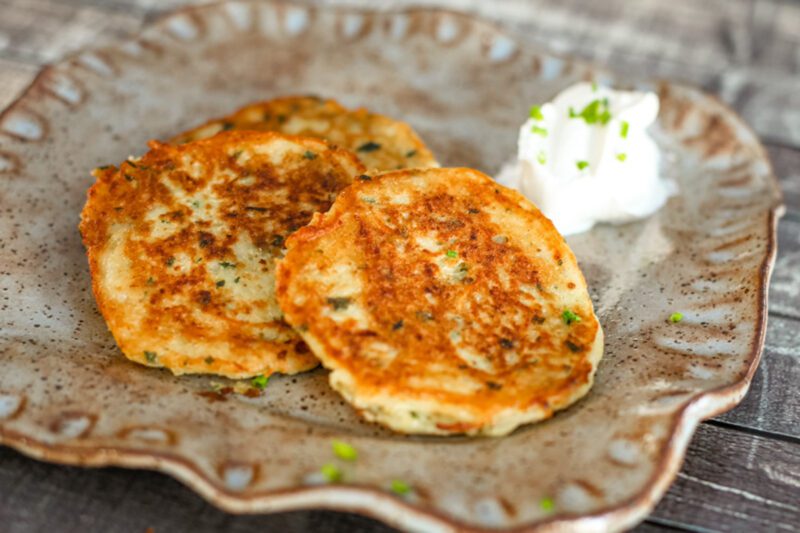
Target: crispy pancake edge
380 405
95 230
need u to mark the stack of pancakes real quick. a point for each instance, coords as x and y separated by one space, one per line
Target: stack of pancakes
296 231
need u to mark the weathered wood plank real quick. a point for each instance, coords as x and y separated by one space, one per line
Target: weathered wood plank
43 497
772 404
42 31
730 481
14 77
733 481
743 49
786 164
784 294
654 525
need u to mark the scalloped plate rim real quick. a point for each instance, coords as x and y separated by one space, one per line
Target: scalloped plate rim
378 504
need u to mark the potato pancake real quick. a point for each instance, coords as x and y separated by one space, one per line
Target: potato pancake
442 303
380 142
182 245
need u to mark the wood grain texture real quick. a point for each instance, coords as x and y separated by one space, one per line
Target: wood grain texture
786 164
50 498
784 294
733 481
772 404
746 50
740 474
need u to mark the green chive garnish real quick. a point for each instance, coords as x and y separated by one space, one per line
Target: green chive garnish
676 317
547 504
452 253
539 131
623 129
331 472
581 164
594 112
344 451
622 157
338 302
370 146
150 356
400 488
541 158
260 381
570 317
536 113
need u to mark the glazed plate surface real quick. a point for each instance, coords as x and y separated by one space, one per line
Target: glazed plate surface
68 395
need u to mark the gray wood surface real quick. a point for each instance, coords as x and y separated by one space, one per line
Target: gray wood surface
742 471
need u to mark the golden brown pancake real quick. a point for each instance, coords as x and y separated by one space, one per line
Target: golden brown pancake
442 303
182 244
380 142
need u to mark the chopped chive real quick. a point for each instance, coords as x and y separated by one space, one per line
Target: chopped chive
536 113
570 317
506 343
310 155
623 129
260 381
676 317
594 86
539 131
150 356
401 488
594 112
220 283
365 177
622 157
575 348
397 325
452 253
331 472
370 146
226 264
411 153
209 360
236 279
547 504
581 164
344 451
338 303
541 158
170 261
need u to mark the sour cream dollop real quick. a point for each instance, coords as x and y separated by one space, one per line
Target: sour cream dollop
587 157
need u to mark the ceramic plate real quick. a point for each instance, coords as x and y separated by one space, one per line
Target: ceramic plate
68 395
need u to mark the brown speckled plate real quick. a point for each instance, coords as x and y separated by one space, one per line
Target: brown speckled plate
68 395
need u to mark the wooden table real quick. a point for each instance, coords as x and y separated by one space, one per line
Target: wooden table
742 471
